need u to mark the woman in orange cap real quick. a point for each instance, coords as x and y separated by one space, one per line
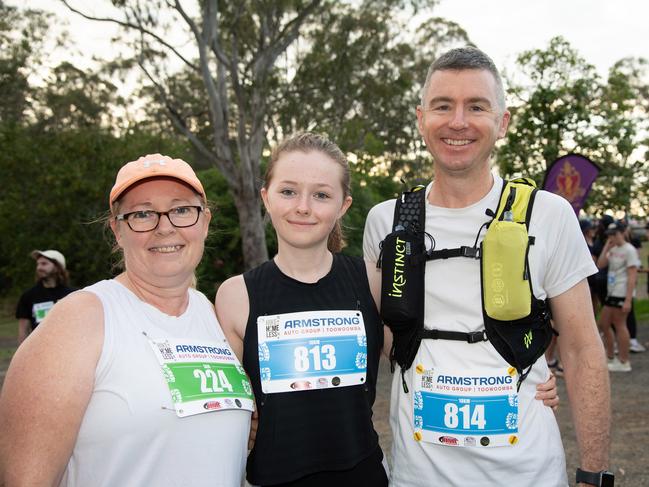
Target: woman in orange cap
130 381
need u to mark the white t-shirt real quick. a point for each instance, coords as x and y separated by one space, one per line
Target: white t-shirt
559 259
619 260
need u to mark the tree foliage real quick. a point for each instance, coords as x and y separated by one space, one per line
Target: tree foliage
350 70
22 34
563 107
252 71
234 47
59 153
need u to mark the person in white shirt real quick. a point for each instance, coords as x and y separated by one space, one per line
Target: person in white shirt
461 116
622 260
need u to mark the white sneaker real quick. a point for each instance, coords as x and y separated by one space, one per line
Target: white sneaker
636 346
616 366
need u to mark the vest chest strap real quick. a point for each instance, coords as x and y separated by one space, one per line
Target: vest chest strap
463 251
473 337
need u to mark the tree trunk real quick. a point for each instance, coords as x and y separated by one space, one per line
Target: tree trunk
251 225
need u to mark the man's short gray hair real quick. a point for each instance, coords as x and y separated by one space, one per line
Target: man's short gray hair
461 58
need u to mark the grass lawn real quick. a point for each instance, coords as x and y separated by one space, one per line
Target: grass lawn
8 325
642 311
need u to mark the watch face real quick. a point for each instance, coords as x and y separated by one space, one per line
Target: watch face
608 479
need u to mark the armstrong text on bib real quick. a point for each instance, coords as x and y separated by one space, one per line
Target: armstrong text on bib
467 408
311 350
203 376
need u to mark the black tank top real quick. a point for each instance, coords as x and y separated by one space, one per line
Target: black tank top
311 431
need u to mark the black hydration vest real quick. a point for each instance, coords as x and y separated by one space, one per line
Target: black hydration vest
516 323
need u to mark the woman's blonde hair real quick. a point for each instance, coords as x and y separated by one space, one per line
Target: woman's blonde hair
312 142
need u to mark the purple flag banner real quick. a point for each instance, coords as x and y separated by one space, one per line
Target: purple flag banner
571 176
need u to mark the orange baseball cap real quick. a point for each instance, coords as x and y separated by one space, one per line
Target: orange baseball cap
151 166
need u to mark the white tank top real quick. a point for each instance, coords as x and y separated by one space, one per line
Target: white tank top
130 434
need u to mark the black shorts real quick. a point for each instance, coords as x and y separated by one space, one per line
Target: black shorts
369 471
614 302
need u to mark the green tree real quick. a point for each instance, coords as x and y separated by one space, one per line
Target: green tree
22 34
59 184
235 47
60 147
565 107
243 74
357 79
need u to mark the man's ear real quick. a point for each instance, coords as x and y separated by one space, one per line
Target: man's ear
504 123
420 120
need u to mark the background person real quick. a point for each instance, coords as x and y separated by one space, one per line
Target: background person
599 279
588 231
632 325
461 116
86 400
51 285
622 261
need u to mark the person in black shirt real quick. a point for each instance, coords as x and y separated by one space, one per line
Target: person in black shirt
51 285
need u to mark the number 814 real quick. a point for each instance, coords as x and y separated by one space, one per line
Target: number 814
452 415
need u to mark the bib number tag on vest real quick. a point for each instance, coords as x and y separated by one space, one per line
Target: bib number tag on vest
311 350
466 409
203 376
40 310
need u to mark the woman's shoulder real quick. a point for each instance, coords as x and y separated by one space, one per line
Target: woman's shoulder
232 305
232 286
77 306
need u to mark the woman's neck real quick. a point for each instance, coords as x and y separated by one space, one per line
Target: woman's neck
304 265
172 301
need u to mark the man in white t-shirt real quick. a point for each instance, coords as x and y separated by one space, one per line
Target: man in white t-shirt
461 116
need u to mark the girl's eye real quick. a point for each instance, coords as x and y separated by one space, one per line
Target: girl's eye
287 192
321 196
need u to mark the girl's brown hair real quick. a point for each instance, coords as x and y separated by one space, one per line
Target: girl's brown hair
310 142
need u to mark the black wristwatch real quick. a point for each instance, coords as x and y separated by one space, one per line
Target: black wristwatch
598 479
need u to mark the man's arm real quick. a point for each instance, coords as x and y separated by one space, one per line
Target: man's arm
24 327
586 374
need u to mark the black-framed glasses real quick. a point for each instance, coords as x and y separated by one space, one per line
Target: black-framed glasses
148 220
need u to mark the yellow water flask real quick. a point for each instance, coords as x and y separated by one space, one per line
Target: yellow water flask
506 289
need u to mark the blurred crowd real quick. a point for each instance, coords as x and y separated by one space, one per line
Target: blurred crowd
615 250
